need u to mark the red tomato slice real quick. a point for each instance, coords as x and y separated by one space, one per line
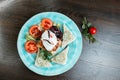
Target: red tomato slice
31 46
46 23
35 32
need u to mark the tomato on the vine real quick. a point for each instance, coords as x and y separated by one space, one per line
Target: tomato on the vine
92 30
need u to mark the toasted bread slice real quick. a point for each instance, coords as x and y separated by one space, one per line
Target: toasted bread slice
61 58
68 37
41 62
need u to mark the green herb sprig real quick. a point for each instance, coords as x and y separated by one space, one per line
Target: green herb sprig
29 37
46 55
85 30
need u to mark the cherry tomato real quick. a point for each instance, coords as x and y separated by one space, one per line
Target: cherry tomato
31 47
34 31
46 23
92 30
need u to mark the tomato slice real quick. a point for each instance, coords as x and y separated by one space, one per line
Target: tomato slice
31 46
46 23
35 32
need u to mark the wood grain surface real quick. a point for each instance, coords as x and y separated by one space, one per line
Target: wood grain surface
99 61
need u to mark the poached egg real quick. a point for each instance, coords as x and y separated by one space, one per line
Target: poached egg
49 40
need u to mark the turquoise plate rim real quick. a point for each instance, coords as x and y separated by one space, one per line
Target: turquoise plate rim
66 68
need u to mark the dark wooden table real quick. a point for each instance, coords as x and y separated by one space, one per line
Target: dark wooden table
98 61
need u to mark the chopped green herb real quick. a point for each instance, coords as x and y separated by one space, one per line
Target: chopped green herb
46 55
29 37
56 24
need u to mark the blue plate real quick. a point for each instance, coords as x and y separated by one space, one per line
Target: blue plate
75 47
